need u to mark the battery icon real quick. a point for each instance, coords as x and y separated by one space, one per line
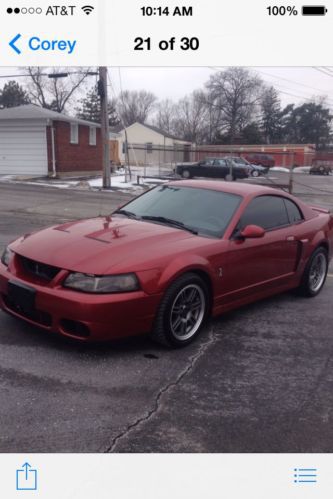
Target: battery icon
314 10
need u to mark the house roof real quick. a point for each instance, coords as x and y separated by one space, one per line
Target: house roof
162 132
32 112
120 128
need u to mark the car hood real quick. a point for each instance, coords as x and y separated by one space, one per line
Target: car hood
97 246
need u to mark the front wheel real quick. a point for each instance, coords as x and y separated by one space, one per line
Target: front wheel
315 273
182 311
186 174
255 173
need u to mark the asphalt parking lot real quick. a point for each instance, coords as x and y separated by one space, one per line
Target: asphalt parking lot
258 379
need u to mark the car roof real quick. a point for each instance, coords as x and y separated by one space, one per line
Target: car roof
239 188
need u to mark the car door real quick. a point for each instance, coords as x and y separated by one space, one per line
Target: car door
253 265
220 168
208 169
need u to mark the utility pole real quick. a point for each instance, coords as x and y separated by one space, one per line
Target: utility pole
291 175
105 129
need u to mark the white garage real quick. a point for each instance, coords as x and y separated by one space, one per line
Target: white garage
23 140
23 148
35 141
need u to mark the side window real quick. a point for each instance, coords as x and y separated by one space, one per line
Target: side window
92 136
74 136
219 162
269 212
294 212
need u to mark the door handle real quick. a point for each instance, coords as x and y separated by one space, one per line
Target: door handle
290 238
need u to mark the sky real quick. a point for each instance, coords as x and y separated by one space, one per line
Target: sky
295 84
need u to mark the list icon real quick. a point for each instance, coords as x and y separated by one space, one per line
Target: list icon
305 475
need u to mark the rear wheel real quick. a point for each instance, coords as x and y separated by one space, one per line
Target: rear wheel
182 311
315 273
186 174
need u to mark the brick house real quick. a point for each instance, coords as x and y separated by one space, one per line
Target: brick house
37 141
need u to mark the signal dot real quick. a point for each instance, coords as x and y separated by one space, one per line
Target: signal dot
17 10
9 10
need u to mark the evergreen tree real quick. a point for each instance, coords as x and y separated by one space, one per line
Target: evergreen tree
271 117
309 123
13 95
251 134
90 108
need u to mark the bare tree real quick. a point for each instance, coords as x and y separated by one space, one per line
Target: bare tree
192 117
235 93
135 106
55 93
166 115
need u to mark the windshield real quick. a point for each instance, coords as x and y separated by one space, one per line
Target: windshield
205 211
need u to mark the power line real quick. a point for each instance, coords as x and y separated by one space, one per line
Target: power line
298 95
285 79
291 94
292 81
322 71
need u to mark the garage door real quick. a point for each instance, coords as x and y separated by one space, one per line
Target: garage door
23 150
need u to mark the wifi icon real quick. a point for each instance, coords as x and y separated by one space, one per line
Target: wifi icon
87 9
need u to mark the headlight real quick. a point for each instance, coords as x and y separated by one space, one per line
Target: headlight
106 284
6 256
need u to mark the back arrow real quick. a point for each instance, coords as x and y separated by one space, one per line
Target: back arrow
12 44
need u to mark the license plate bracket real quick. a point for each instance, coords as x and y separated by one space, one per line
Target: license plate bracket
22 296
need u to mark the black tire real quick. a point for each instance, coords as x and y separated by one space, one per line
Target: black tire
307 287
255 173
186 174
163 331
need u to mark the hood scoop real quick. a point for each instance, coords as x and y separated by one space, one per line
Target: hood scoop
106 235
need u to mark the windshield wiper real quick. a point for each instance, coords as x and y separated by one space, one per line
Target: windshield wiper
169 221
128 214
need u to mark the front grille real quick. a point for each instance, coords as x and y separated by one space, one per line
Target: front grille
41 270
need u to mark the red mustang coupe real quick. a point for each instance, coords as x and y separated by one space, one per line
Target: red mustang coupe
166 261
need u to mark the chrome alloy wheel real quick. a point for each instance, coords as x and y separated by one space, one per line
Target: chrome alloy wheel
187 312
317 272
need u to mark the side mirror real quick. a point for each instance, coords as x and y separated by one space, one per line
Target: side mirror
252 232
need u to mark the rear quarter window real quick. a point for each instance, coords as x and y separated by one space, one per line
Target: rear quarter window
294 213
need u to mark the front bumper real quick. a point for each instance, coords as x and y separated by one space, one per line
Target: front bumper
82 316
